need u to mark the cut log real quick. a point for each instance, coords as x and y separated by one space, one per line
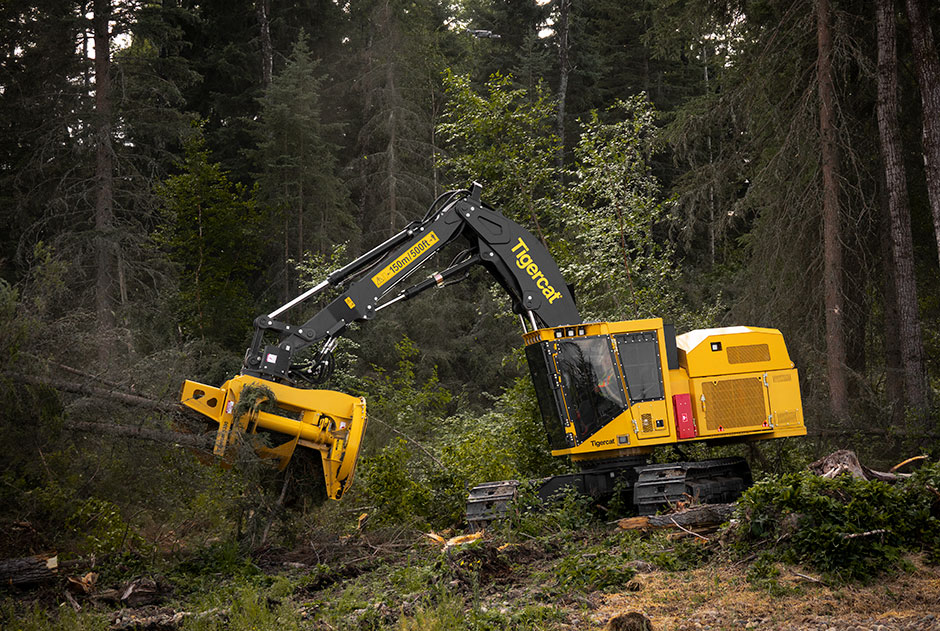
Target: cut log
199 441
94 391
704 515
634 523
29 570
696 516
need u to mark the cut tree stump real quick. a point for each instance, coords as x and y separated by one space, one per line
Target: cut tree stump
845 461
29 570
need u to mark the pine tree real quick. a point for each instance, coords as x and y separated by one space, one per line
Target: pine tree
393 171
902 246
210 232
298 175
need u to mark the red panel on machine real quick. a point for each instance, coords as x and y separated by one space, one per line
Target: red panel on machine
685 424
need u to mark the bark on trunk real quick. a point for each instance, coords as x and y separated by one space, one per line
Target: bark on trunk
564 10
832 246
28 570
894 367
927 64
263 9
704 515
104 179
902 245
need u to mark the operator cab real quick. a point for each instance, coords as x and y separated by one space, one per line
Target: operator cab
587 376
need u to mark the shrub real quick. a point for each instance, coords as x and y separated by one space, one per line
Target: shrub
597 568
846 527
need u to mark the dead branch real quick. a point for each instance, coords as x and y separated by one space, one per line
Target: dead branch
855 535
409 439
126 620
686 530
906 462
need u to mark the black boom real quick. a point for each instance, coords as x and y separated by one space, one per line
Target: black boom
518 261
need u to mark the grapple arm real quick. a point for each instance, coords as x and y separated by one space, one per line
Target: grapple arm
331 422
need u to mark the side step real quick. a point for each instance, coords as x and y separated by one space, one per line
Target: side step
707 482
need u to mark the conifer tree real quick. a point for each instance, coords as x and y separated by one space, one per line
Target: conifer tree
210 232
298 178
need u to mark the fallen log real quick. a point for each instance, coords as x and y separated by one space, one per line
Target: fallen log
129 619
695 516
702 515
94 391
29 570
197 441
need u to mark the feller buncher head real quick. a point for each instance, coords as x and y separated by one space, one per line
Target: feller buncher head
330 422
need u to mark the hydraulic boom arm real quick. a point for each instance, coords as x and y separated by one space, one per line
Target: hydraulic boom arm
518 261
332 422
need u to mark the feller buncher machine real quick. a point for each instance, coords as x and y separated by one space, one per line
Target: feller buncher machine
608 392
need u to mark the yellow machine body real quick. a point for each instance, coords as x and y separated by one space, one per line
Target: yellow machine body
331 422
612 389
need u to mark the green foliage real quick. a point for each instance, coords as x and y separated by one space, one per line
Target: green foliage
686 554
210 231
566 513
396 486
763 573
595 568
849 528
502 138
224 558
252 399
621 268
250 610
411 396
104 530
451 613
35 618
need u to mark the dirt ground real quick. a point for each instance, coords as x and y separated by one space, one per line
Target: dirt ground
717 598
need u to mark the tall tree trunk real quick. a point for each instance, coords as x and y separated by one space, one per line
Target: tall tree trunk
564 11
902 247
832 244
104 178
263 9
928 76
894 365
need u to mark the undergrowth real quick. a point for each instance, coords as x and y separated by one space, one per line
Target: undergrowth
847 528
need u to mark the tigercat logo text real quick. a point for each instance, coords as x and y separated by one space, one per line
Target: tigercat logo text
392 269
601 443
524 262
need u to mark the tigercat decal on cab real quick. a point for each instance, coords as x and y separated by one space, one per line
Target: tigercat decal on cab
392 269
524 262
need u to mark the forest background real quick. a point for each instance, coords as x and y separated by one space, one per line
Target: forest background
169 170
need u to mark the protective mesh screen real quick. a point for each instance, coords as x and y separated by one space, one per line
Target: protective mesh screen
734 404
748 353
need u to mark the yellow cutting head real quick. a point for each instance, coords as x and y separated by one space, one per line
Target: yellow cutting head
331 422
